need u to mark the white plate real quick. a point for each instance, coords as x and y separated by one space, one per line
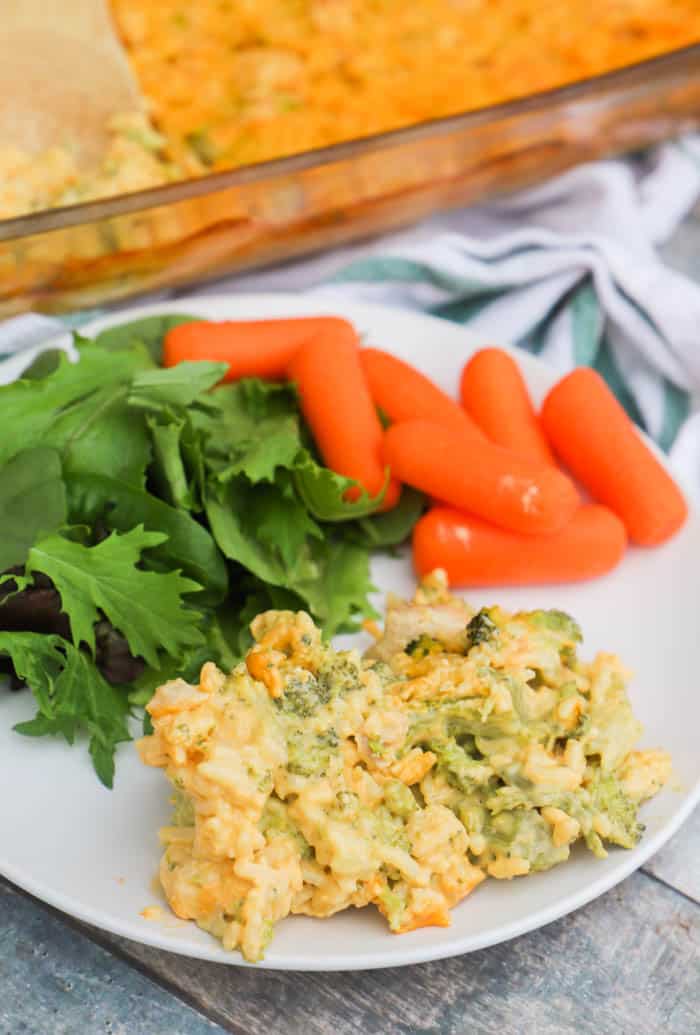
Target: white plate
94 853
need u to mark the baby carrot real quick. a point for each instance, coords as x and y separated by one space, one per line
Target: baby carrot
404 394
252 348
595 438
476 475
475 553
494 393
339 410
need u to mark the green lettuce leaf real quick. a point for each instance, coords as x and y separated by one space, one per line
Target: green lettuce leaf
278 519
145 606
189 546
330 577
323 492
149 332
192 451
249 428
168 468
32 502
391 528
175 387
227 510
30 408
43 365
338 592
269 445
71 695
254 398
101 435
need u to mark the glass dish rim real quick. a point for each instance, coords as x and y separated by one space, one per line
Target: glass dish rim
85 212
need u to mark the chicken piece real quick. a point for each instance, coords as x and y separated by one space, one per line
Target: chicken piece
176 696
446 623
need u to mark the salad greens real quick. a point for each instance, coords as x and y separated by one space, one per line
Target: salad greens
146 516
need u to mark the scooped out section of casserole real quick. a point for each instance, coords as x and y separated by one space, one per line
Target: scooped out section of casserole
135 159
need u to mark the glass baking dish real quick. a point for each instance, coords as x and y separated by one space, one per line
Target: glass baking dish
89 254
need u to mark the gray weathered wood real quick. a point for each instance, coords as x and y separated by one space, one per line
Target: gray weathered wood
629 962
678 862
56 981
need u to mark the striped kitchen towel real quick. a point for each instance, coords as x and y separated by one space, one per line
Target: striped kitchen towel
571 270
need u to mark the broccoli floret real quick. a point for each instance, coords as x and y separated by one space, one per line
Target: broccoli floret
183 809
303 697
393 902
201 143
389 828
524 834
276 822
480 629
558 622
309 753
619 809
564 628
423 646
461 771
399 798
337 677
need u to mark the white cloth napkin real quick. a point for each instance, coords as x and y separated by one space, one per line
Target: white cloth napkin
569 269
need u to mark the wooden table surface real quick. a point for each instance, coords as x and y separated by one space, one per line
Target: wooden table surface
627 963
